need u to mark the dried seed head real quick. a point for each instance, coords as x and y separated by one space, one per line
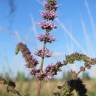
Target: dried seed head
30 60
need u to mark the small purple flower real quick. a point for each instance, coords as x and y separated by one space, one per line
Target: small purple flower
45 25
44 53
35 71
53 69
50 6
46 38
39 75
49 15
48 68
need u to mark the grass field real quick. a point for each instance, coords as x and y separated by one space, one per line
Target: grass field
28 88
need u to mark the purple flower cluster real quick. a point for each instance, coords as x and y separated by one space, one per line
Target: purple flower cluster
51 5
48 26
46 38
38 75
50 71
43 53
48 15
53 69
35 71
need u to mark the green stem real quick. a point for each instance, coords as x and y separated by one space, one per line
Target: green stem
42 59
42 62
39 84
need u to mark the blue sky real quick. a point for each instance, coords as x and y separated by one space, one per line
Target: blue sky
76 31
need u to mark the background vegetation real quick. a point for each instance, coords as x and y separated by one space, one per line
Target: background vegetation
27 86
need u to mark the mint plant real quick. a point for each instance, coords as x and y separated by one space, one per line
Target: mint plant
72 87
49 14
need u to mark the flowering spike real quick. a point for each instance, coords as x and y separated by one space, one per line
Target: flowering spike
31 62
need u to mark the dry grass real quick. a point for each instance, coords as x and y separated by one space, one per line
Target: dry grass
29 88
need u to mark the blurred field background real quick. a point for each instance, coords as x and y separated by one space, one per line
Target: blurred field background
27 86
